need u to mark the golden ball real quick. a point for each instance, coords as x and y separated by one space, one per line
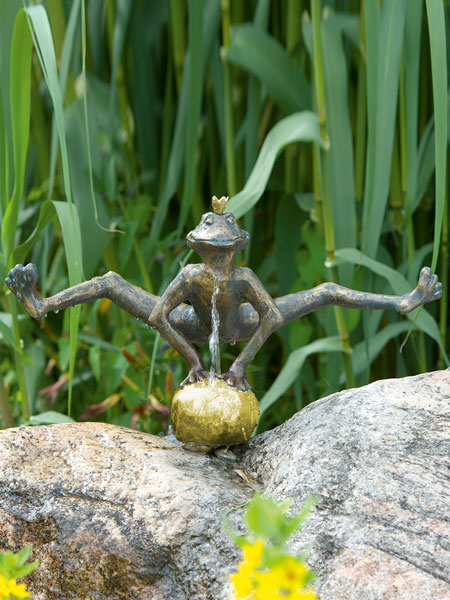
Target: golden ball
214 414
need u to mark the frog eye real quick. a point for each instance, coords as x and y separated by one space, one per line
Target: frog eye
209 221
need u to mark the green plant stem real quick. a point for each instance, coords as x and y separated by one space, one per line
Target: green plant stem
18 357
361 114
410 249
322 181
178 38
293 20
228 103
443 276
8 419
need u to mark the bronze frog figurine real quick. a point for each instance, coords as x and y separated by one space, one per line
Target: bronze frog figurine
246 310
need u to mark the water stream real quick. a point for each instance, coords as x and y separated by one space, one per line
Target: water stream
214 337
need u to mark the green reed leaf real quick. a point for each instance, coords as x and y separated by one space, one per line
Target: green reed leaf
195 18
292 368
413 27
340 155
43 42
253 49
20 85
70 227
299 127
66 57
378 341
211 19
46 214
384 50
436 28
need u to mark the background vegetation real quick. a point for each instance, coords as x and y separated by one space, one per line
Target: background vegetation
119 119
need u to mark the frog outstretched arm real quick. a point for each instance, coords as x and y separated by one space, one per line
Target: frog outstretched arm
246 310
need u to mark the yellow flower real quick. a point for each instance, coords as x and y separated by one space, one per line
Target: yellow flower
268 587
242 581
253 553
291 574
11 588
306 595
286 580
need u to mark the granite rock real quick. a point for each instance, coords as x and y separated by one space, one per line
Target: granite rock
116 514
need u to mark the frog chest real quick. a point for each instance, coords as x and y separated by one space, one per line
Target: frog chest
222 294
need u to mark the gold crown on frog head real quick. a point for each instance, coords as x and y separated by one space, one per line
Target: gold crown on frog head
219 204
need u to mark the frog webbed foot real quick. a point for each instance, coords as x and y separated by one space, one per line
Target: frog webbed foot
194 375
235 379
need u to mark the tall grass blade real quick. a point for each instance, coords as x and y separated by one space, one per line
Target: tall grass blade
211 22
381 125
66 57
43 43
413 27
436 27
4 166
70 227
339 161
195 29
19 99
20 86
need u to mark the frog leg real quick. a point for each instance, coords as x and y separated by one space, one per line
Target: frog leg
297 305
22 282
270 319
173 297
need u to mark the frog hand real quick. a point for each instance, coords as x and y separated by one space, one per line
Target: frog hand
22 282
427 290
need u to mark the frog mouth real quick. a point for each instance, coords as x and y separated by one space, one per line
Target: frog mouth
217 241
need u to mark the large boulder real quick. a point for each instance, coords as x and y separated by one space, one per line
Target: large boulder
116 514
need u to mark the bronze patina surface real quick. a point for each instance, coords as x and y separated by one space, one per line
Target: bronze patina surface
213 413
246 310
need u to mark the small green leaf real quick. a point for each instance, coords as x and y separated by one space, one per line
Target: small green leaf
51 417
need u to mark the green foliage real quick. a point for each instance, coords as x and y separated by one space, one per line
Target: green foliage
12 567
268 570
325 124
268 519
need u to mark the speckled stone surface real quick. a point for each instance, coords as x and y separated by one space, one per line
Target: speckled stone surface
378 458
114 514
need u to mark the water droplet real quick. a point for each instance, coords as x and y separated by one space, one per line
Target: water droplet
232 343
56 311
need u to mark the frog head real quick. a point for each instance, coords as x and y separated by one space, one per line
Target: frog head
217 231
